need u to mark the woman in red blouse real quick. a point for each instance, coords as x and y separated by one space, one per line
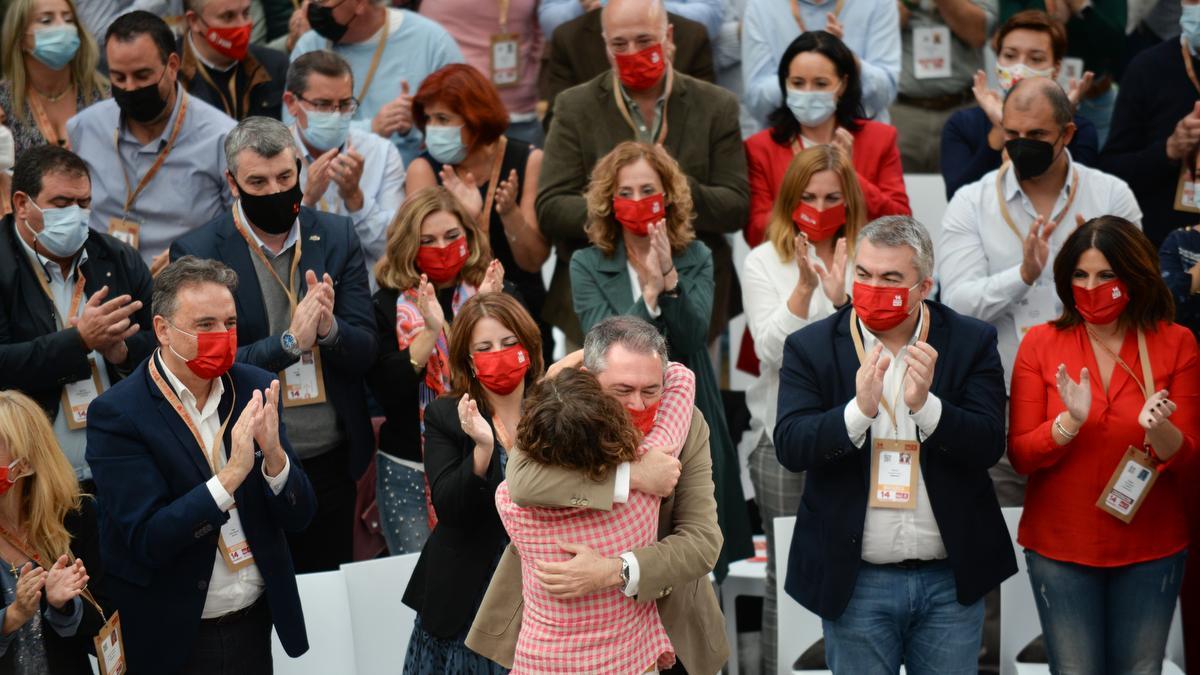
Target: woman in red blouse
1081 400
822 96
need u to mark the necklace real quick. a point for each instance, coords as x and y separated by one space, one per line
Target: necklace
51 98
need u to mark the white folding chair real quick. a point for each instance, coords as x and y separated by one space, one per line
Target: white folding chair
381 622
797 628
746 577
328 623
927 197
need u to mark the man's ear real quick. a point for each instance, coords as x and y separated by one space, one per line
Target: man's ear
233 189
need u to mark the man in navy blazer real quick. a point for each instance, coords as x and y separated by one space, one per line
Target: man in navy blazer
196 484
895 554
304 310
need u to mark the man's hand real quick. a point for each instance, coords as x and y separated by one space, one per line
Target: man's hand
582 575
104 325
396 115
323 293
65 581
868 382
297 25
1182 142
589 5
656 473
346 170
1036 250
833 26
241 457
266 434
843 141
1195 273
317 181
918 376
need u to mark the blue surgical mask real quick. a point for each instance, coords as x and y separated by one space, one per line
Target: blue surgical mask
811 108
56 46
63 230
445 144
326 130
1189 23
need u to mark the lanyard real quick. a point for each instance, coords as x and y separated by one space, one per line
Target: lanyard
43 123
1147 385
862 357
290 286
131 193
486 214
1187 63
502 432
76 295
503 6
837 10
173 399
25 549
1008 216
362 93
662 129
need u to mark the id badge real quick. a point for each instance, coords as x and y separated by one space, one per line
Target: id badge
1040 304
126 230
931 52
505 59
1186 189
303 382
894 467
235 550
1129 485
110 648
1072 69
77 396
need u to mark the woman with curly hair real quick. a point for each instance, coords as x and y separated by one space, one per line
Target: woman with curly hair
645 261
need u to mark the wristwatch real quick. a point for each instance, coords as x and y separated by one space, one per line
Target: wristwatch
624 574
290 344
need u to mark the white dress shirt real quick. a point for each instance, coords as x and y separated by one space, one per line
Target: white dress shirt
979 256
227 591
896 535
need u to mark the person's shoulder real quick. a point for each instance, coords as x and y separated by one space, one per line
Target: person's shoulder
973 115
696 251
761 141
764 255
327 224
202 241
972 194
1146 67
871 130
366 141
1176 337
126 254
275 61
205 119
1186 236
1103 183
310 41
414 23
704 91
247 377
443 412
99 116
966 329
819 335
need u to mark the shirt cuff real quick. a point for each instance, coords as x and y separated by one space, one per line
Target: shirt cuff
223 499
857 423
276 484
621 487
928 416
656 310
65 623
333 335
635 574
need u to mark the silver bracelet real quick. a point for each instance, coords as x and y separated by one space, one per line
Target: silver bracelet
1063 430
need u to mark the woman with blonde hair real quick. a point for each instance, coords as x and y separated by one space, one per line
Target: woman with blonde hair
436 259
645 261
798 275
50 71
45 625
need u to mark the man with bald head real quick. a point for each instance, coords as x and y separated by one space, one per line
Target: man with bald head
996 255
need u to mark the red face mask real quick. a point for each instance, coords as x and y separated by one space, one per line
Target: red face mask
501 371
232 42
880 307
644 419
819 225
637 215
641 70
215 352
9 476
1102 304
443 264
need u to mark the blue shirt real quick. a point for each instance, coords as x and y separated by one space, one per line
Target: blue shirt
872 32
189 189
1180 252
416 46
554 13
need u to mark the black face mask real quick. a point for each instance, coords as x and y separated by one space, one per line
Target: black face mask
274 213
320 19
143 104
1030 158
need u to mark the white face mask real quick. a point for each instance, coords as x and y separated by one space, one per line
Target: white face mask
1009 76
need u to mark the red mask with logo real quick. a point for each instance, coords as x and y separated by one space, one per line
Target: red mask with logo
1102 304
819 225
501 371
644 419
881 308
637 215
233 42
443 264
641 70
215 352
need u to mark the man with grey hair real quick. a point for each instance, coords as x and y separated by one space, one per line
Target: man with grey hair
1001 233
196 485
291 321
629 357
894 406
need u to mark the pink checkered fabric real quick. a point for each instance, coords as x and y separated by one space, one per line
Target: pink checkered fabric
607 631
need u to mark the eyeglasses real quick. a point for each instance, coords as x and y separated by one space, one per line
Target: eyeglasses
346 106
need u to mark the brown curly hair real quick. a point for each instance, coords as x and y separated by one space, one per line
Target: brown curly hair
571 423
602 228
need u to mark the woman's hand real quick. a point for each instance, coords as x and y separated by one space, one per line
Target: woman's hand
464 188
27 597
65 581
572 361
988 99
1076 396
844 141
833 280
660 246
809 278
649 274
493 279
473 424
506 194
429 307
1077 89
1157 409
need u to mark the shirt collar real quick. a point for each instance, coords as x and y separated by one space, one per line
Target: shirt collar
187 397
1012 186
47 265
633 104
293 234
204 62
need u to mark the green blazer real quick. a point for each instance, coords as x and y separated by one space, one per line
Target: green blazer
703 135
602 288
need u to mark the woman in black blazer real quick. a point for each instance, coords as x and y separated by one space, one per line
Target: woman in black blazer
495 354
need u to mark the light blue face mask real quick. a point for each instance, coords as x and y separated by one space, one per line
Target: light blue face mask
56 46
811 108
63 230
445 144
326 130
1189 24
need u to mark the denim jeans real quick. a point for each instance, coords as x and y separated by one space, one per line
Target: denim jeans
1099 620
403 516
905 616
